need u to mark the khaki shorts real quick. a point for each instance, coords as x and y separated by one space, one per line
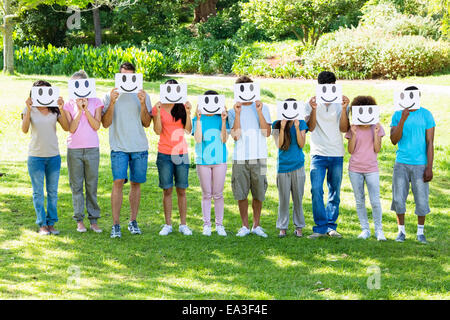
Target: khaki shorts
249 175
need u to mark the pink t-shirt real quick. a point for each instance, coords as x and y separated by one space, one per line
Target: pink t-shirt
364 157
84 136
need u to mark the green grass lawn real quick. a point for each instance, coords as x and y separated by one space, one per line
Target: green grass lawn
176 267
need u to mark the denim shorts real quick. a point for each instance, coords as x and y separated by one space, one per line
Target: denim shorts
172 167
137 162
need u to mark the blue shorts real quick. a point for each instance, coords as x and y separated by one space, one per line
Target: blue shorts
170 167
138 162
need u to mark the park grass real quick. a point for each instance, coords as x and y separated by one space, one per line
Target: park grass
92 266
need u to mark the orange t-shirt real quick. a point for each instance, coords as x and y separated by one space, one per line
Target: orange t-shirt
171 139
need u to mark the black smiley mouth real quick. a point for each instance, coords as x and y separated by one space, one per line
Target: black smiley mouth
173 101
45 104
365 121
329 101
81 96
290 118
247 99
130 90
407 107
211 111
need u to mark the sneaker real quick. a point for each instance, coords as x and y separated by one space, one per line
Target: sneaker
334 234
44 232
421 238
165 230
53 231
316 235
365 234
259 232
116 231
221 231
96 229
133 227
206 230
184 229
400 237
243 232
380 235
81 228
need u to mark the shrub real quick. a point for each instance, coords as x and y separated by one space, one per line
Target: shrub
100 62
221 26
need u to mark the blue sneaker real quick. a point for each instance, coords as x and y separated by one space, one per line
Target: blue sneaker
400 237
133 227
421 238
116 231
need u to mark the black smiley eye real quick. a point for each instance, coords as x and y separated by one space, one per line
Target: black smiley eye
124 78
133 78
324 89
40 92
333 88
295 105
242 88
50 92
216 100
402 96
251 87
77 84
206 100
178 89
285 106
360 110
411 95
86 83
370 110
168 89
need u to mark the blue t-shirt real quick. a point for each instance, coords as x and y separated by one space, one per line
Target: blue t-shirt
293 158
412 147
211 150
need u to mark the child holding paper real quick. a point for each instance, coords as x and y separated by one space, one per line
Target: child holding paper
172 121
44 161
211 133
84 116
364 143
289 136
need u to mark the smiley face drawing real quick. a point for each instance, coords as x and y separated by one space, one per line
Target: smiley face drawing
329 93
408 99
82 88
246 92
45 96
211 104
173 93
290 110
128 82
365 115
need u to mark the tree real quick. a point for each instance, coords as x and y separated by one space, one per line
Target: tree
306 19
203 9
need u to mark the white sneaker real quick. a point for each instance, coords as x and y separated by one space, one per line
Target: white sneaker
221 231
259 232
184 229
165 230
365 234
243 232
206 231
380 235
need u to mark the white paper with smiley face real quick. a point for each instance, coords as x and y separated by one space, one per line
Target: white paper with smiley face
45 96
82 88
246 92
329 93
290 110
365 115
211 104
128 82
173 93
409 99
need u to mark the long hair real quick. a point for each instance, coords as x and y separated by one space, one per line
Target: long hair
43 83
178 111
287 131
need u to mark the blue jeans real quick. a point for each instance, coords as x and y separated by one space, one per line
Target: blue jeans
39 169
325 217
137 161
172 167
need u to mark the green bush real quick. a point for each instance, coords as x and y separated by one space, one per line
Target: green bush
221 26
363 53
100 62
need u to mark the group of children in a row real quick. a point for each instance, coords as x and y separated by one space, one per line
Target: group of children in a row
127 114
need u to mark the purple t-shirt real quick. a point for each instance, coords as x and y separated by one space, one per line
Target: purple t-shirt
84 136
364 157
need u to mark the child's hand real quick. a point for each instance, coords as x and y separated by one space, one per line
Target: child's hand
313 103
345 101
283 124
79 102
353 129
188 107
60 102
405 114
29 103
238 107
224 115
114 94
296 124
197 113
158 108
258 105
428 174
377 129
141 96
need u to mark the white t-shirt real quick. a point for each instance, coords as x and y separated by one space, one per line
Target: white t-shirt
252 144
326 139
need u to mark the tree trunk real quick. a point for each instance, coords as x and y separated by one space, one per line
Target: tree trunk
97 27
204 10
8 45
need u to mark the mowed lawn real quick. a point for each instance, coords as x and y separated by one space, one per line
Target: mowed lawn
93 266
